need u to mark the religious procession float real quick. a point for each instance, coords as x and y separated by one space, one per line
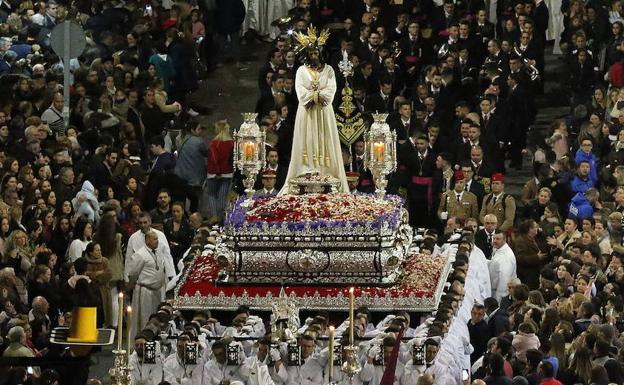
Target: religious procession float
316 244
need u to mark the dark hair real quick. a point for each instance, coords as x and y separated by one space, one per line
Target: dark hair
496 364
157 140
504 345
547 369
525 226
534 357
490 304
106 235
80 265
81 223
89 249
615 371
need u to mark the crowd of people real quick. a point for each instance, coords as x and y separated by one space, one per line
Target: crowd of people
122 195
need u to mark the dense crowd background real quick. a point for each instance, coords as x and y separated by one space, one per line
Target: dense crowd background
121 196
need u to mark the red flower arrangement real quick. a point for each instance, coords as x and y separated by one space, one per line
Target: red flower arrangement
313 207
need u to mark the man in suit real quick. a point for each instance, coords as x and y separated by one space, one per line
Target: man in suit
443 173
497 318
402 120
279 172
472 185
481 167
458 202
518 115
494 127
383 100
267 99
365 181
444 16
268 184
275 60
484 237
461 143
502 205
483 31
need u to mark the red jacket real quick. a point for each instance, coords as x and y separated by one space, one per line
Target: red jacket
616 74
220 157
551 381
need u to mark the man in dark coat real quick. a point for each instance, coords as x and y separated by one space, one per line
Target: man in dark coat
494 131
229 18
479 331
497 319
518 114
418 163
383 100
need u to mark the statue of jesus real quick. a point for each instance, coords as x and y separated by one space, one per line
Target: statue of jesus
316 145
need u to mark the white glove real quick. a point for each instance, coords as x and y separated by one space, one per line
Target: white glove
374 351
443 215
275 355
247 330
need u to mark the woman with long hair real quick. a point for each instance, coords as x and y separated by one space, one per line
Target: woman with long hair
18 255
5 230
598 104
61 237
131 224
81 237
178 231
98 270
220 171
558 349
579 369
109 240
10 166
26 177
550 319
615 370
41 284
47 221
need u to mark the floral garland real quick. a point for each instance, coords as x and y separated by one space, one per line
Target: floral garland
317 210
420 276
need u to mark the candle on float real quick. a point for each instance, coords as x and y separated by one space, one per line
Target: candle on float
379 150
249 149
331 353
128 323
120 309
351 314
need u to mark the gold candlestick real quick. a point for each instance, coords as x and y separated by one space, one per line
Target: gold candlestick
351 314
120 320
331 353
128 324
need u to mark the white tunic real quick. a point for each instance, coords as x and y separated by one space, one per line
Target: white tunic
176 373
310 373
373 373
146 374
148 271
502 270
137 240
255 372
214 373
316 145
